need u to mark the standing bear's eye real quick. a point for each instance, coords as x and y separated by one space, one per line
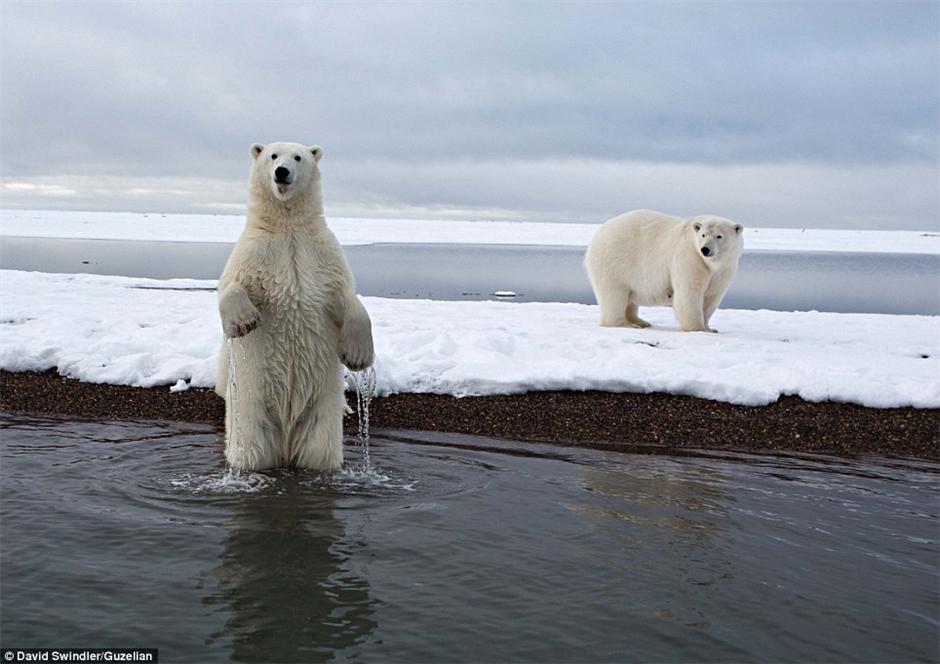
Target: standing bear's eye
273 156
719 237
296 157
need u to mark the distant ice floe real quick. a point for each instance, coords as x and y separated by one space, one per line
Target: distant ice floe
227 228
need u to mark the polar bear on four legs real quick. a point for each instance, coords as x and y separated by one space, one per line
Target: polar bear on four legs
287 300
645 258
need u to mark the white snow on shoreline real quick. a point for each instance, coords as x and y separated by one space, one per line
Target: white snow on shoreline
143 332
226 228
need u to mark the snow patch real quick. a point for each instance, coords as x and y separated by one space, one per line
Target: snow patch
131 331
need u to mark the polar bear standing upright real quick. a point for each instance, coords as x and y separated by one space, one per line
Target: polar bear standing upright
290 312
644 258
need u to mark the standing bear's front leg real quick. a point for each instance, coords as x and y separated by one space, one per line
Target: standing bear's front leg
238 313
239 316
248 424
355 346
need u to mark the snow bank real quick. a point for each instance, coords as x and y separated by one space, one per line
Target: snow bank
144 332
224 228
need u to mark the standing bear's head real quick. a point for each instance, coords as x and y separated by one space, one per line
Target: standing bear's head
285 171
717 239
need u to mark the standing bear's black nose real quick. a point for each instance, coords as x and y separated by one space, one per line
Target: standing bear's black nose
706 251
281 173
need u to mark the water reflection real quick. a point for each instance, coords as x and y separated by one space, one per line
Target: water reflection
649 510
666 525
285 573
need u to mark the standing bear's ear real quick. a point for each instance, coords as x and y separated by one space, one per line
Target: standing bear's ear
697 226
317 152
256 149
738 228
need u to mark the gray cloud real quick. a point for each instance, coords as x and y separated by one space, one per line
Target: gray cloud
464 96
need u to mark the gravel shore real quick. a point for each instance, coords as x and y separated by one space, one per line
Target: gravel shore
625 422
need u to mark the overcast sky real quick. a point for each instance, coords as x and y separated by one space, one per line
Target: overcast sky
819 114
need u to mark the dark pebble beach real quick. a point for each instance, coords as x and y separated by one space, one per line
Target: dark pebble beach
603 420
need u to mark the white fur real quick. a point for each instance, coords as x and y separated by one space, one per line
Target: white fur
644 258
287 300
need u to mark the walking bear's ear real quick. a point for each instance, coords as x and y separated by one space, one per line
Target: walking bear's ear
738 228
317 152
697 226
256 149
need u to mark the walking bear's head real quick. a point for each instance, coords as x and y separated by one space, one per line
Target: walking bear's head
717 239
285 171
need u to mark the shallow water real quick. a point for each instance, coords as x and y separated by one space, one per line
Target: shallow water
461 549
843 282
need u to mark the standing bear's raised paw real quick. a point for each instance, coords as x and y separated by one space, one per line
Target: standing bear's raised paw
239 316
355 345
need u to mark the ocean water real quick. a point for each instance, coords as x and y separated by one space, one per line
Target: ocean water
461 549
785 281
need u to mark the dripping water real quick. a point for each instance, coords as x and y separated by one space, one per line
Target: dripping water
364 382
235 432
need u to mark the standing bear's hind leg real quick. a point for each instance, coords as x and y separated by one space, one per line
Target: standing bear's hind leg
317 439
250 436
